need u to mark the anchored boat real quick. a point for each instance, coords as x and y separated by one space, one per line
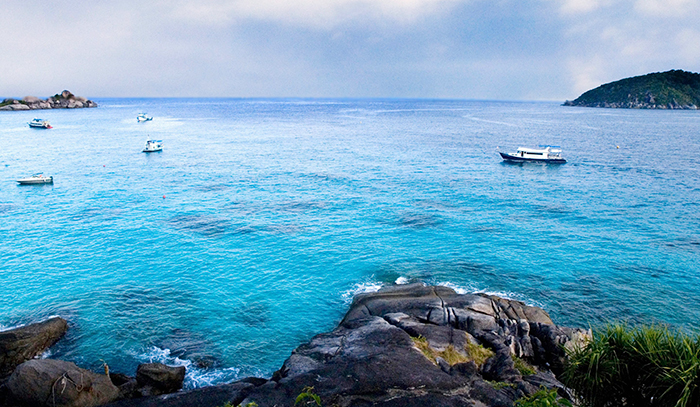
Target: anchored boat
39 124
36 179
153 145
143 118
546 154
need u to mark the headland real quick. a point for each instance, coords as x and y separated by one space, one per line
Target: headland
676 89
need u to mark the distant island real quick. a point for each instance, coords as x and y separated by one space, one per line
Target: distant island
674 89
63 100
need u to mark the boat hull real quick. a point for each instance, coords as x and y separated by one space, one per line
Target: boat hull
33 181
515 159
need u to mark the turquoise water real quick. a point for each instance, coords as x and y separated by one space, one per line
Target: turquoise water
250 232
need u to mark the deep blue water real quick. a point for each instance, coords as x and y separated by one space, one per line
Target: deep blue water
254 227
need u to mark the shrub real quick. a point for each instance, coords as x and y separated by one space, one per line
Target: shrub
308 398
543 398
646 366
523 367
477 353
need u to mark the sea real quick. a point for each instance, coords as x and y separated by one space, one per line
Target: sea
261 219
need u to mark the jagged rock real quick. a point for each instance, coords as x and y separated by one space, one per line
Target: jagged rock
56 383
21 344
372 356
66 100
156 378
370 359
213 396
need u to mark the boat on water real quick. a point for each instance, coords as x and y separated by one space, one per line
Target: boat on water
153 145
143 118
36 179
544 154
39 124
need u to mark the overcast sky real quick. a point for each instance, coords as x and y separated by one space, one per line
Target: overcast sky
467 49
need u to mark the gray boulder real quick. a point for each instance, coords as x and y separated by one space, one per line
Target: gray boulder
21 344
156 378
56 383
372 357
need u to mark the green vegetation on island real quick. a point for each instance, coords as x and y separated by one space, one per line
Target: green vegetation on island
674 89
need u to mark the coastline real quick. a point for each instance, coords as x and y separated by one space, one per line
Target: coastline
402 345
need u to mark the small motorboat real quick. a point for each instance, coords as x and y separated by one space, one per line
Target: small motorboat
153 145
36 179
544 154
39 124
143 118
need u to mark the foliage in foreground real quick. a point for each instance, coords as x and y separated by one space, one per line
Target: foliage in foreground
543 398
647 366
307 397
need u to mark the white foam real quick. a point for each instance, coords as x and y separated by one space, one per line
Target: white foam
360 288
195 377
509 295
402 280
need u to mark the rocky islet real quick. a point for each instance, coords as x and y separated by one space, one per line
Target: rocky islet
63 100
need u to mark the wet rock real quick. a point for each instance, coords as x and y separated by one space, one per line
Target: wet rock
156 378
213 396
58 383
24 343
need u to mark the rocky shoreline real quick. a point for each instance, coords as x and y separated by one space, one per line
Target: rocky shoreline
63 100
405 345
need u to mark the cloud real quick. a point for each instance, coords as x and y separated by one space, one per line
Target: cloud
580 6
308 13
492 49
668 8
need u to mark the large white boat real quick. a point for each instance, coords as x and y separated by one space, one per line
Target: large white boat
143 118
546 154
36 179
39 124
153 145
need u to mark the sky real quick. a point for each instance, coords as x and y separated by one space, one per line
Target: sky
453 49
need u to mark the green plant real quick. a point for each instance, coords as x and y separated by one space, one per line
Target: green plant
251 404
477 353
523 367
543 398
308 398
501 385
645 366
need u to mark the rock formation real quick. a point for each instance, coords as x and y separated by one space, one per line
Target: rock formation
63 100
410 345
21 344
47 382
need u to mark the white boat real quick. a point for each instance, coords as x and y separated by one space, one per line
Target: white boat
39 124
143 118
546 154
36 179
153 146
